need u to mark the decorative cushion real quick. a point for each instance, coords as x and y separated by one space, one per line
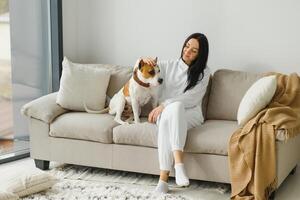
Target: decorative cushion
82 84
26 182
4 195
227 90
256 98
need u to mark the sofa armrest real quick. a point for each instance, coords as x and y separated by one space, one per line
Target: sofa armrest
44 108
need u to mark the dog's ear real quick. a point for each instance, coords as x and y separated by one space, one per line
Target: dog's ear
155 60
141 64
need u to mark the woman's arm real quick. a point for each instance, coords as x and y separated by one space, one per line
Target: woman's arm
149 61
153 62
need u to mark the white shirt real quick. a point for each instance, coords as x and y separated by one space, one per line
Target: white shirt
175 76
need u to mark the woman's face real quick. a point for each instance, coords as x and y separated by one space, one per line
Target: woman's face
190 51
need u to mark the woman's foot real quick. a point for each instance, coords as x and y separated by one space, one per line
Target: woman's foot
162 187
180 175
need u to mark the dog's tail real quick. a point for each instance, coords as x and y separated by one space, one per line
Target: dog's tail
105 110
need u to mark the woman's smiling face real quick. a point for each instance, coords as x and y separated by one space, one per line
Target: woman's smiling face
190 51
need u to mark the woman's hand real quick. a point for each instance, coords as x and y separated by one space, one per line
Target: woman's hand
153 115
150 61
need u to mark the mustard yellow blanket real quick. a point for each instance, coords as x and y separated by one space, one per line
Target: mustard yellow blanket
252 156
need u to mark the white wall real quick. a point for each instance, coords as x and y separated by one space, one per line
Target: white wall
256 35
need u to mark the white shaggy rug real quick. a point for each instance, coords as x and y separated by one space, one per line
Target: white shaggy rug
78 182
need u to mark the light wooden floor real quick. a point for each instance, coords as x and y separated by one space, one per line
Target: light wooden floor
13 146
6 143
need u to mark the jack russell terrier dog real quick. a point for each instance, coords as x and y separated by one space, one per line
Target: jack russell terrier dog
138 91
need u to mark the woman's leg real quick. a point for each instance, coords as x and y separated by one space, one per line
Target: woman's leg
178 156
172 132
171 136
164 153
164 175
193 118
177 131
164 146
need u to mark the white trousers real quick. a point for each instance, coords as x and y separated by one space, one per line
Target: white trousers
173 124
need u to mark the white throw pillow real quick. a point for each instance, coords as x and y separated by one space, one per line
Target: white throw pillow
26 182
4 195
256 98
81 84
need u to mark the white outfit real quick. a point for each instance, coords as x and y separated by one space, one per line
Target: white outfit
182 110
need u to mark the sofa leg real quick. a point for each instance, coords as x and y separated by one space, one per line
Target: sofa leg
42 164
293 170
272 195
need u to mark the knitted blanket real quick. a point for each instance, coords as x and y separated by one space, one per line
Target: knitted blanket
252 156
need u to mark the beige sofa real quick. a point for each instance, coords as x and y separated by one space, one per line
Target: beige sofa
96 140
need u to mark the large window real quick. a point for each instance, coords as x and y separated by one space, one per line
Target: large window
6 113
30 42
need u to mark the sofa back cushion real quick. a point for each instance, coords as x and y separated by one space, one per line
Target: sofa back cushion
227 90
118 78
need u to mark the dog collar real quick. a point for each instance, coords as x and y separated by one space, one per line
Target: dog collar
136 78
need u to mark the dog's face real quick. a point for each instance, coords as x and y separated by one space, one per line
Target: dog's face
150 74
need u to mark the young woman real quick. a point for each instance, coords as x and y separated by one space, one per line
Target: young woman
184 85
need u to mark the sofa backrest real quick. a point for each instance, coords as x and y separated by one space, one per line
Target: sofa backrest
224 92
227 90
205 98
119 77
121 74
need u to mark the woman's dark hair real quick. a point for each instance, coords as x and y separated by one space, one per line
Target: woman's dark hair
199 64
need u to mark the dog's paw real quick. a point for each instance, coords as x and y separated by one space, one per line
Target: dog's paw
121 121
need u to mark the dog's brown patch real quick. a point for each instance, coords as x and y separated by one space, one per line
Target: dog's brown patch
148 71
126 89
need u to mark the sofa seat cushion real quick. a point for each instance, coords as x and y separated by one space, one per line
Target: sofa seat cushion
84 126
211 137
142 134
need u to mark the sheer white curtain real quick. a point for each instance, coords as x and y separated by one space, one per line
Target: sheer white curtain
30 56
